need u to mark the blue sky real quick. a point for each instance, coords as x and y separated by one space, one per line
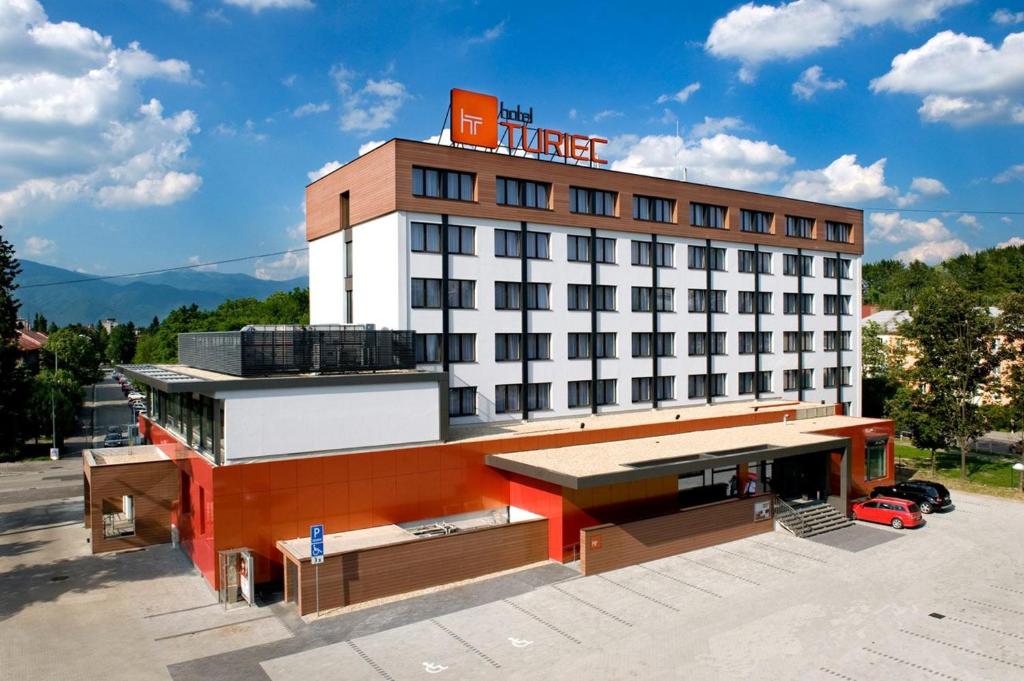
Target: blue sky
143 134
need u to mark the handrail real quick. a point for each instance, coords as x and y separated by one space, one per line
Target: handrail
787 512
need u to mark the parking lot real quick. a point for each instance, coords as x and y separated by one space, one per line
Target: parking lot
942 602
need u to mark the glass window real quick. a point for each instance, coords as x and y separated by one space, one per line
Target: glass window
538 346
876 460
462 401
461 240
426 237
591 201
507 347
522 193
706 215
461 294
837 268
428 347
537 246
579 392
507 244
578 297
838 231
578 248
652 209
507 295
755 221
794 265
802 228
462 347
442 184
697 386
426 293
538 296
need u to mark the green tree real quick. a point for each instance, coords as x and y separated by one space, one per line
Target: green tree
956 356
75 352
1012 331
121 344
13 378
922 414
54 399
884 369
39 323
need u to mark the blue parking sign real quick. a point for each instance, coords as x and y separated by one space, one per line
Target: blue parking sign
316 549
316 533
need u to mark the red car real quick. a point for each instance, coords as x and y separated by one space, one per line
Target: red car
899 513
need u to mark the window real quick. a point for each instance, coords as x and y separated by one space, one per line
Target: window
664 299
751 302
718 343
795 379
461 240
764 342
507 295
697 386
764 381
579 249
837 304
697 300
697 343
750 340
796 303
507 244
755 221
746 343
653 209
579 345
797 265
664 388
462 347
746 302
700 257
428 347
462 401
830 341
706 215
838 231
591 201
579 297
834 375
426 237
802 228
538 346
538 296
461 294
426 293
579 393
435 183
119 516
876 461
746 261
507 347
508 398
716 302
746 382
665 344
604 300
640 252
522 193
717 385
837 267
791 341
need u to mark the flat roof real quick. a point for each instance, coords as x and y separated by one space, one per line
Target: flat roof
115 456
602 463
353 540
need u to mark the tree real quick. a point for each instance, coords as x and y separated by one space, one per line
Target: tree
921 414
956 356
1012 331
57 394
75 352
884 369
13 379
121 343
39 323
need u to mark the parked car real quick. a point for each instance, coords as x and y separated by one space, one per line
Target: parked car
899 513
115 440
929 496
133 396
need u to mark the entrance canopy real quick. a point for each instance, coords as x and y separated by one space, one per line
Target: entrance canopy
604 463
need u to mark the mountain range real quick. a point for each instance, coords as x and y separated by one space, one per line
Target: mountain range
135 299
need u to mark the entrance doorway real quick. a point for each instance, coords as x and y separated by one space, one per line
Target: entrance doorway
805 476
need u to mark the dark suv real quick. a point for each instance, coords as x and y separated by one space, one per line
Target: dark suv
930 496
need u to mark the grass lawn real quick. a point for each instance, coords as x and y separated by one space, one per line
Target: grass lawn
992 471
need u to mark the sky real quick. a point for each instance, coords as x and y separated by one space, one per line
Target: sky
140 134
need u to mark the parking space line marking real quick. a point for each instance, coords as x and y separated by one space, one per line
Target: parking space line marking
591 605
547 624
370 661
961 648
912 664
755 560
175 612
1006 588
794 553
724 572
994 607
836 674
467 645
641 594
219 626
986 628
676 579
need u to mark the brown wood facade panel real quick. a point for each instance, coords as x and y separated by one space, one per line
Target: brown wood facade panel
365 575
370 183
609 547
153 486
404 154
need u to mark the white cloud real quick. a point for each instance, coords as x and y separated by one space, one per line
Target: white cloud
179 5
73 123
196 262
842 181
680 96
1012 242
934 252
373 106
37 245
928 186
159 190
812 80
326 168
1007 18
712 126
572 114
1007 219
722 159
754 34
297 232
963 80
490 35
970 221
367 147
606 114
1015 172
311 108
288 266
257 6
894 228
289 80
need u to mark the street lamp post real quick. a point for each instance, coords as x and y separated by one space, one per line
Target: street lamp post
1019 467
54 450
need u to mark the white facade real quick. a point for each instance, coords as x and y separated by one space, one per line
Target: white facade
385 265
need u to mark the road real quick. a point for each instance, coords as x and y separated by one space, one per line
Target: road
104 406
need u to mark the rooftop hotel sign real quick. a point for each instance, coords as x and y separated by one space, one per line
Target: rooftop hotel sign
476 119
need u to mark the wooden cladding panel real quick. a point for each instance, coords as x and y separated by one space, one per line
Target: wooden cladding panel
360 576
609 547
154 488
396 179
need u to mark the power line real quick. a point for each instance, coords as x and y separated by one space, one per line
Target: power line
165 269
948 210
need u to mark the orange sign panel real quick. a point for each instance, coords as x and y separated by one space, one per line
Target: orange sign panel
474 119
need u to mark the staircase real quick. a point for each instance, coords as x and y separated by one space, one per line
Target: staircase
810 519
